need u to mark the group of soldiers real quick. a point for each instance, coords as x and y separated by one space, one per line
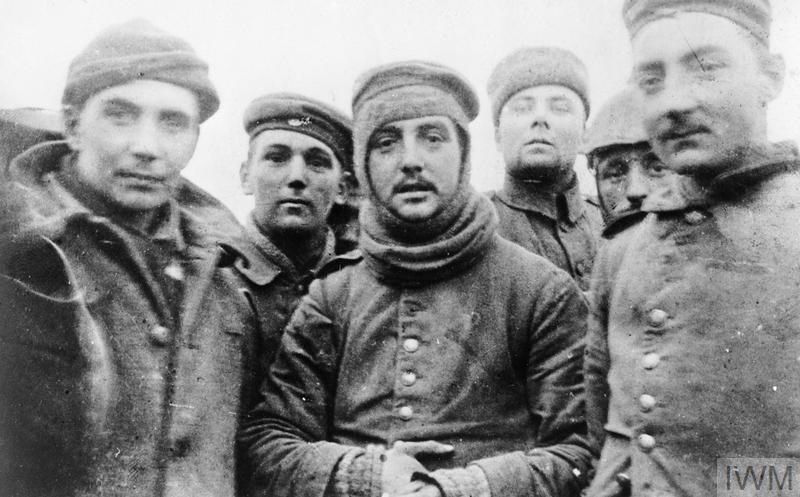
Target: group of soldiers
378 327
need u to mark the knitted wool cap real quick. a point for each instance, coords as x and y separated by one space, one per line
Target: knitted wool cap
138 50
301 114
536 66
408 90
618 122
753 15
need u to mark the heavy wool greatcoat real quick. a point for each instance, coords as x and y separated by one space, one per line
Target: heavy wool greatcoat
693 351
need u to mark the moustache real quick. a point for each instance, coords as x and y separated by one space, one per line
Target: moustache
417 185
672 128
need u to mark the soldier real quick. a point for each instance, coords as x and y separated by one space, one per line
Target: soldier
693 340
445 360
540 103
123 367
299 169
629 175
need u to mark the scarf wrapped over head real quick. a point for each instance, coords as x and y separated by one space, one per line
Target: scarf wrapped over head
398 250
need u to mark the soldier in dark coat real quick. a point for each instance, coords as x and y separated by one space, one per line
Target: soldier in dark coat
693 345
122 367
540 103
445 360
299 170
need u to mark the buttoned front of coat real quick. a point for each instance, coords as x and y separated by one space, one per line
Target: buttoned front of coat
563 228
695 320
487 361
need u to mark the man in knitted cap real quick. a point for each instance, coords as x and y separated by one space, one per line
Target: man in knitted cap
629 175
299 169
700 339
540 102
446 360
128 381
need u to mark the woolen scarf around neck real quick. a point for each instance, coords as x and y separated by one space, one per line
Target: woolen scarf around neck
453 251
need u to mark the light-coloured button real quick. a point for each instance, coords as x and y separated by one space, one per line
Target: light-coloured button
159 335
651 360
408 378
646 442
647 402
406 412
174 271
657 318
410 344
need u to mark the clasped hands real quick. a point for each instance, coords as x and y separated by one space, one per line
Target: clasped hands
399 465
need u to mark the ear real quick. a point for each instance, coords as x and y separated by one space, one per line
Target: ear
774 71
71 116
343 188
244 177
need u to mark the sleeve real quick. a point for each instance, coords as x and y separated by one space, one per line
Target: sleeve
286 435
559 466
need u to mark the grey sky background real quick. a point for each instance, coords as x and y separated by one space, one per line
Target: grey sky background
319 47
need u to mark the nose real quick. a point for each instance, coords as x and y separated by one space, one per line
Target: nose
638 186
297 178
412 159
540 116
676 100
146 142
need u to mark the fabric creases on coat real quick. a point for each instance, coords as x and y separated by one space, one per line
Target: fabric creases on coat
175 368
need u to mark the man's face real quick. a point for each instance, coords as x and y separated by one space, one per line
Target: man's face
626 174
133 140
705 90
539 132
415 165
295 179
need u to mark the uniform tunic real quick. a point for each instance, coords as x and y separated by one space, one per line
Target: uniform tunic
696 326
487 360
169 332
563 228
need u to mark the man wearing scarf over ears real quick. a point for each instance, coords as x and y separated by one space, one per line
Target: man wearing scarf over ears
445 361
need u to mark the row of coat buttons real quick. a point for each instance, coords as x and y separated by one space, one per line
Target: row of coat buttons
408 378
655 318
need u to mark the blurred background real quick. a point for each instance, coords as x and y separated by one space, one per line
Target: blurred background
319 47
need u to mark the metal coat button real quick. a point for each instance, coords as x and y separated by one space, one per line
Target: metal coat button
174 271
623 480
410 344
408 378
646 442
647 402
651 360
657 318
406 412
159 335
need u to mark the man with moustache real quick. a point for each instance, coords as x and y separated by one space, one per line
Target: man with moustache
700 334
299 169
123 370
630 177
445 360
540 103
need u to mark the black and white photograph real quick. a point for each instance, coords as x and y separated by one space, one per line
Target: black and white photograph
409 248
